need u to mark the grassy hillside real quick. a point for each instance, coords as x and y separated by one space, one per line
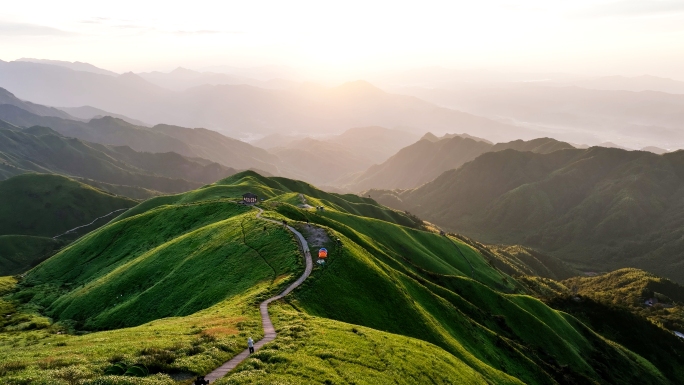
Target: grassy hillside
132 192
19 253
142 260
390 299
426 159
332 352
289 190
518 260
631 288
48 205
396 284
612 304
42 206
599 208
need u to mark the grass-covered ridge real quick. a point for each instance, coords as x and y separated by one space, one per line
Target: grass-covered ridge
48 205
177 269
170 261
386 283
38 207
599 209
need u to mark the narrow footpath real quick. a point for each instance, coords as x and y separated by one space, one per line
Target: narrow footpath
269 331
94 220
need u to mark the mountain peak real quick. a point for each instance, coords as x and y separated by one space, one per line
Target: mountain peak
430 136
180 71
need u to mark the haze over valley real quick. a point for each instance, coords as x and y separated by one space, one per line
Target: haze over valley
354 193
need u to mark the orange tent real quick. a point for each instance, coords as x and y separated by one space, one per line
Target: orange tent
322 253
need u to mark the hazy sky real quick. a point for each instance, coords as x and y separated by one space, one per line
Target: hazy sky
350 38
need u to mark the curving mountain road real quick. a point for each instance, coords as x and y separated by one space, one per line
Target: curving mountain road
269 331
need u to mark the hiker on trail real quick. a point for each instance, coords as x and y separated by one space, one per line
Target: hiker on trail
250 345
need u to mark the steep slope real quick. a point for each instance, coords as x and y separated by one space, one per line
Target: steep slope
437 290
7 97
19 253
106 130
426 159
613 304
47 205
212 145
598 208
40 149
629 287
39 207
109 130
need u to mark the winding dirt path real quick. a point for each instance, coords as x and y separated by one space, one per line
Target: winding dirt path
94 220
269 330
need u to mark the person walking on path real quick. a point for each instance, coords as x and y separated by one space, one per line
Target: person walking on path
250 345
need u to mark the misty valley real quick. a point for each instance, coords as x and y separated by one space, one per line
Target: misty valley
368 216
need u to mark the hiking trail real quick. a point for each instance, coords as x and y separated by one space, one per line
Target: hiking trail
94 220
269 330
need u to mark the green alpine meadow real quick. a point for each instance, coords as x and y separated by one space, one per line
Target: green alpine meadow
170 289
342 193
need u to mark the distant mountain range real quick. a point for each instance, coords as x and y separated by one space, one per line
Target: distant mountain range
324 160
87 113
41 149
598 208
245 109
76 66
182 79
318 161
426 159
107 130
571 113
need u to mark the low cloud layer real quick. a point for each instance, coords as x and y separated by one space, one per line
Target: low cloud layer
633 8
21 29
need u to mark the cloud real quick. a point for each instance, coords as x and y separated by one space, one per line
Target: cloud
20 29
204 32
96 20
130 26
633 8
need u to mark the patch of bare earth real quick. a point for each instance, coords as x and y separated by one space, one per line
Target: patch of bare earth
315 236
304 204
